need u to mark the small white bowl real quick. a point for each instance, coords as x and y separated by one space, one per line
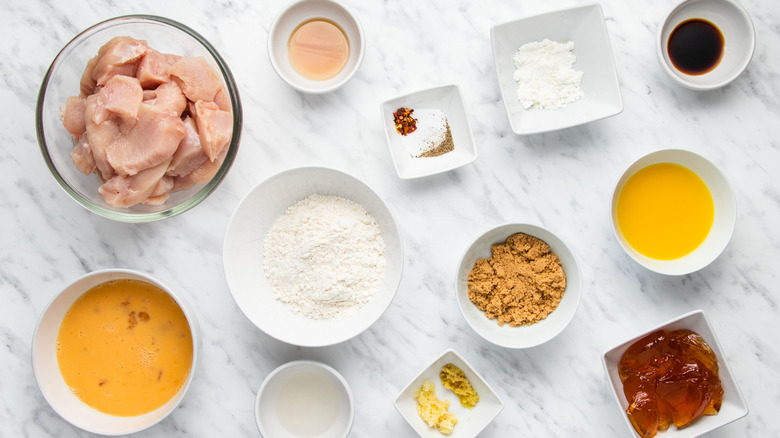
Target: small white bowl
326 387
738 33
299 11
733 406
446 98
243 255
53 386
722 226
470 421
583 25
522 336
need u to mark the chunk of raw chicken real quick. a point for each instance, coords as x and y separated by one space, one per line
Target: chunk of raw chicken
126 191
168 98
196 78
189 154
88 84
100 135
118 56
152 140
82 156
153 67
223 100
215 128
161 192
73 116
122 95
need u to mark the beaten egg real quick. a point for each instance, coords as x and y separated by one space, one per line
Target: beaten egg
125 347
665 211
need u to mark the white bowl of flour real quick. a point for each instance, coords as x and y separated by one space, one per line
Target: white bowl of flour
312 256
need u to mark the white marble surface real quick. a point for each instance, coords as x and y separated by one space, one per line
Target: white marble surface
562 180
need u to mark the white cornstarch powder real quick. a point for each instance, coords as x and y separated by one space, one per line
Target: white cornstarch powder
545 75
324 257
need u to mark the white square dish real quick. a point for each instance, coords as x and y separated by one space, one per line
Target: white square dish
470 421
583 25
733 406
446 98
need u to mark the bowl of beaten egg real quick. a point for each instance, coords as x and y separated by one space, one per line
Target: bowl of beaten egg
673 211
115 352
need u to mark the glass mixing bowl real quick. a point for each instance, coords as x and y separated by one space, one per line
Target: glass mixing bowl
62 80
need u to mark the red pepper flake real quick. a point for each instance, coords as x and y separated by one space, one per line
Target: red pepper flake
404 122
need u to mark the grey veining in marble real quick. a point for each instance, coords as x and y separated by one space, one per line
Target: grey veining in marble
562 180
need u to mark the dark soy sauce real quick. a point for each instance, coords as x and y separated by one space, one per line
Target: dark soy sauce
696 46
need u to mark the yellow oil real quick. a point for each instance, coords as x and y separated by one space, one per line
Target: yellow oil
665 211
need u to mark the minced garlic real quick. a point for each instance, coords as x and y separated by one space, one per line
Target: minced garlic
432 410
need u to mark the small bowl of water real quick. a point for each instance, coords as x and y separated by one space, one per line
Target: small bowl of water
304 399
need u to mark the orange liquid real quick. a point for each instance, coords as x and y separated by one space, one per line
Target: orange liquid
665 211
318 49
125 348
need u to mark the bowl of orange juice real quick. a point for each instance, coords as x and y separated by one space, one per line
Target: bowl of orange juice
673 211
316 46
115 352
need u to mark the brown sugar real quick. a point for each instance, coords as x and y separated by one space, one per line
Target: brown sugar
520 284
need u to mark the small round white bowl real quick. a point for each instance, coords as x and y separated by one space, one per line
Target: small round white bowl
53 386
289 18
243 256
266 409
522 336
722 226
738 34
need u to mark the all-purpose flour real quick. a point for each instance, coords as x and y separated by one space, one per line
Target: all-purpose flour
324 257
545 75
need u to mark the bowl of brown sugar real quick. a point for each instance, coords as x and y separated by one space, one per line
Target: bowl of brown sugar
518 285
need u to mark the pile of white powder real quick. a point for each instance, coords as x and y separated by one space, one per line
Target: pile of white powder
545 75
324 257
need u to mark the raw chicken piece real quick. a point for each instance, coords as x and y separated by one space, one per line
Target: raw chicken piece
153 67
161 192
73 115
156 200
149 95
82 156
99 137
152 140
202 174
88 84
118 56
223 100
207 170
164 186
121 96
182 183
215 128
168 98
126 191
189 155
196 78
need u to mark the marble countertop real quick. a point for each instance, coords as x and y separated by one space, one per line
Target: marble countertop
562 180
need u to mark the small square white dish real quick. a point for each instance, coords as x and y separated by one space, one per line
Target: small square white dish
733 406
470 421
446 98
583 25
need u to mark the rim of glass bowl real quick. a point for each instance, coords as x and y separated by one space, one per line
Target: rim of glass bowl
200 195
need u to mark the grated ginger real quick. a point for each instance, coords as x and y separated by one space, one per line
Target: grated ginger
433 411
455 380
